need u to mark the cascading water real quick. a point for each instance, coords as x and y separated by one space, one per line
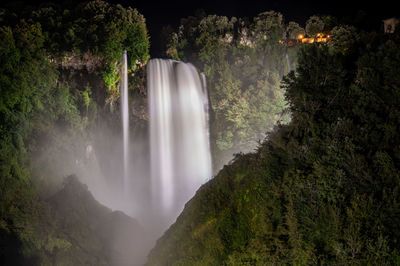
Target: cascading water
125 123
288 62
179 140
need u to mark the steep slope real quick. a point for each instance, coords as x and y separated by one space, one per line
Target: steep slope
236 218
87 233
322 190
59 72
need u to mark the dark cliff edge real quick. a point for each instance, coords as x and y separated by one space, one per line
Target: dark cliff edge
96 234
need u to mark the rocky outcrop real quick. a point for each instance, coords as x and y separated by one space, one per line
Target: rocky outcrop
86 61
88 233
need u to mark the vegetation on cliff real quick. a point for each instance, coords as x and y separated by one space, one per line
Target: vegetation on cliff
46 110
244 62
323 189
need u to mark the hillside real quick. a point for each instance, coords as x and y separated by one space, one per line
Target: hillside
59 72
87 233
323 189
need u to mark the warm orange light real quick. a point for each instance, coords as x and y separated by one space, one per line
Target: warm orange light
307 40
300 36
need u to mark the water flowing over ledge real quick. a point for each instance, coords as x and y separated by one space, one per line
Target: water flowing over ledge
179 144
125 123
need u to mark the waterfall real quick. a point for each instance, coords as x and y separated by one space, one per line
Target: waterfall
180 157
125 123
288 62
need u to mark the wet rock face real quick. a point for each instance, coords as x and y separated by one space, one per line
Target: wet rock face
138 102
86 61
79 71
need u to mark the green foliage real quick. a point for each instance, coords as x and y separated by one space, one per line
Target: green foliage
314 25
99 29
45 112
323 189
294 30
86 98
57 243
268 27
27 79
343 37
243 63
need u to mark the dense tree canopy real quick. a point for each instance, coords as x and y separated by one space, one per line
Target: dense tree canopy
243 62
42 111
320 190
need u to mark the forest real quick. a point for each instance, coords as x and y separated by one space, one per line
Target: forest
47 111
304 138
322 189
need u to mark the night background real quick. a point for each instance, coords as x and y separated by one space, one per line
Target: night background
161 13
199 133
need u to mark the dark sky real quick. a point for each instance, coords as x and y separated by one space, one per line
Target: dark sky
161 13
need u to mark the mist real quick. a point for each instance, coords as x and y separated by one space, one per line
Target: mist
168 159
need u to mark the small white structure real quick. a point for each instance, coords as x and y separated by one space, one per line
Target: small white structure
389 25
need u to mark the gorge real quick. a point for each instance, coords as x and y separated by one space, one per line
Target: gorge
239 144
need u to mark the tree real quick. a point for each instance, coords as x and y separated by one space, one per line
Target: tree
243 63
293 30
322 189
343 38
314 25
